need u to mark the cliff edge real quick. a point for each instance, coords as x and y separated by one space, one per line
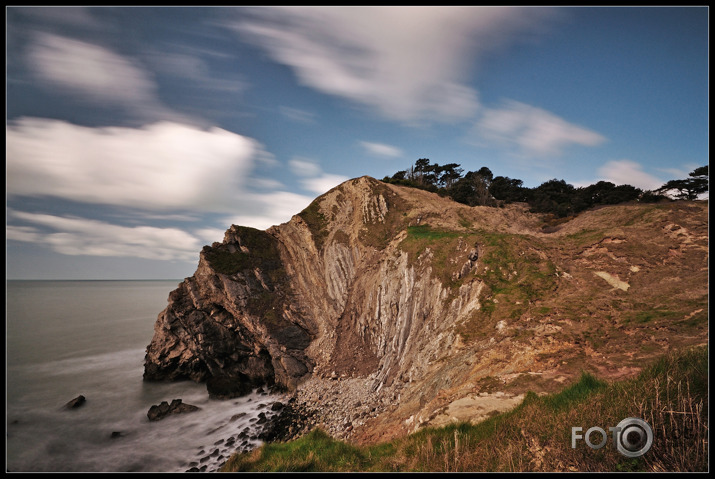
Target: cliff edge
389 308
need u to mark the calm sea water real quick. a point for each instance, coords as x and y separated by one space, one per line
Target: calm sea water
66 338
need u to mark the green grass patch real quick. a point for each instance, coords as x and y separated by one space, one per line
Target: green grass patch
314 452
671 395
574 394
428 234
516 276
444 245
650 315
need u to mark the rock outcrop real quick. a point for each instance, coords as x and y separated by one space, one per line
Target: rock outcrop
76 402
417 302
159 411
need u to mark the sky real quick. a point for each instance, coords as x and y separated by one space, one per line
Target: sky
137 135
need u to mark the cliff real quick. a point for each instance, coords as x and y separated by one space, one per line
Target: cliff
390 308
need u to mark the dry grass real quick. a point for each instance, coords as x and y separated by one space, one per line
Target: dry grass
681 426
536 435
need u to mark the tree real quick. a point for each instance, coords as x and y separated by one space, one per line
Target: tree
508 189
421 167
486 173
604 193
472 190
448 174
689 188
553 196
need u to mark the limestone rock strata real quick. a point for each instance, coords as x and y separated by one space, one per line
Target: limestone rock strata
329 290
418 302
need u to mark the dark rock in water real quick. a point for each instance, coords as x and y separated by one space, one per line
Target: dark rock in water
276 406
76 402
164 409
287 424
116 434
237 416
228 387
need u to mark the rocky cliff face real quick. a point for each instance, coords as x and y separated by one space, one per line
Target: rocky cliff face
414 307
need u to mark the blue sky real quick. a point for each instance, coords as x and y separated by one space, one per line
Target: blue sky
137 135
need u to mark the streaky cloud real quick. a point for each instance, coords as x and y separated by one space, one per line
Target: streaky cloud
628 172
532 131
95 75
159 167
80 236
381 149
407 63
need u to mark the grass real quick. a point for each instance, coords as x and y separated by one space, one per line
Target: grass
649 315
517 277
443 245
316 451
671 395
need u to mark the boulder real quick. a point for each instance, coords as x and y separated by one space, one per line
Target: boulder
160 411
76 402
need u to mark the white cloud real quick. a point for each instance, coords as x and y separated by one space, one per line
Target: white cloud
162 166
80 236
408 63
532 131
678 173
22 233
271 209
313 177
266 183
92 70
304 167
323 183
210 235
380 149
626 172
96 75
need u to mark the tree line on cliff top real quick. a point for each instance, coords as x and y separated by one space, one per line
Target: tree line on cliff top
555 197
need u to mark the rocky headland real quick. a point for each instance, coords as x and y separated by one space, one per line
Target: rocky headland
381 309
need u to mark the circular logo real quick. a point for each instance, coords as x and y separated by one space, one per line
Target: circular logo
634 437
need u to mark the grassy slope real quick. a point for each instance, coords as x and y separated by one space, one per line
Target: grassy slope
671 396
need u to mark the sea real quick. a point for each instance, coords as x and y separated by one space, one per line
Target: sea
71 338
